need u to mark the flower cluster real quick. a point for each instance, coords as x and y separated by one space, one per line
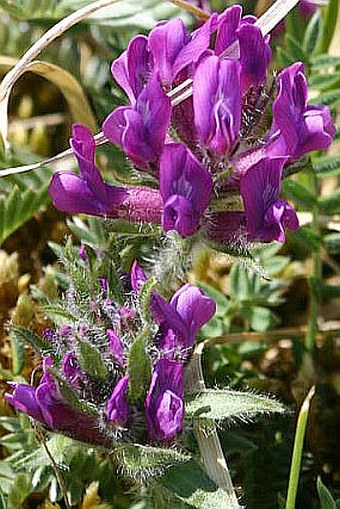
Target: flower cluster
86 390
205 126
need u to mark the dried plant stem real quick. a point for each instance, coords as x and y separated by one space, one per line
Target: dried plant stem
297 450
195 11
207 439
53 33
27 59
324 331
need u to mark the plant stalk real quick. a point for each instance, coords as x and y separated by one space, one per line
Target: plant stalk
207 438
297 450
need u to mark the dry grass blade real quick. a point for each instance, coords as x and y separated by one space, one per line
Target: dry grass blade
192 9
53 33
80 108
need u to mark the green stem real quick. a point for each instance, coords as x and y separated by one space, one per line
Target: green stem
315 281
297 451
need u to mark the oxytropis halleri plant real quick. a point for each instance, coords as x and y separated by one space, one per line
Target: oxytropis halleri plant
207 130
116 372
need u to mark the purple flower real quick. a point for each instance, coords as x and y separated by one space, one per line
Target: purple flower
217 104
180 319
87 193
173 49
255 55
116 346
137 277
164 407
239 39
117 408
298 128
267 215
47 405
71 369
186 187
133 68
141 129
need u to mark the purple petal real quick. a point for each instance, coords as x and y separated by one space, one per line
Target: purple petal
229 22
164 407
186 187
217 103
301 128
165 43
141 130
132 68
163 312
194 307
267 215
71 369
255 55
72 194
117 408
24 399
116 346
137 277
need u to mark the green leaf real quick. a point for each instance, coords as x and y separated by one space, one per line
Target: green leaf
284 58
18 353
19 491
312 34
139 368
18 206
327 166
330 204
3 504
38 343
260 319
144 297
322 61
219 405
301 196
239 283
91 361
331 98
326 499
295 49
141 462
330 18
189 483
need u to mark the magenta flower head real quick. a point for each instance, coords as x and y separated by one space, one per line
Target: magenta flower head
202 141
164 405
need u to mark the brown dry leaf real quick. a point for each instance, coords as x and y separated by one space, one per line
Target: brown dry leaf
92 500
